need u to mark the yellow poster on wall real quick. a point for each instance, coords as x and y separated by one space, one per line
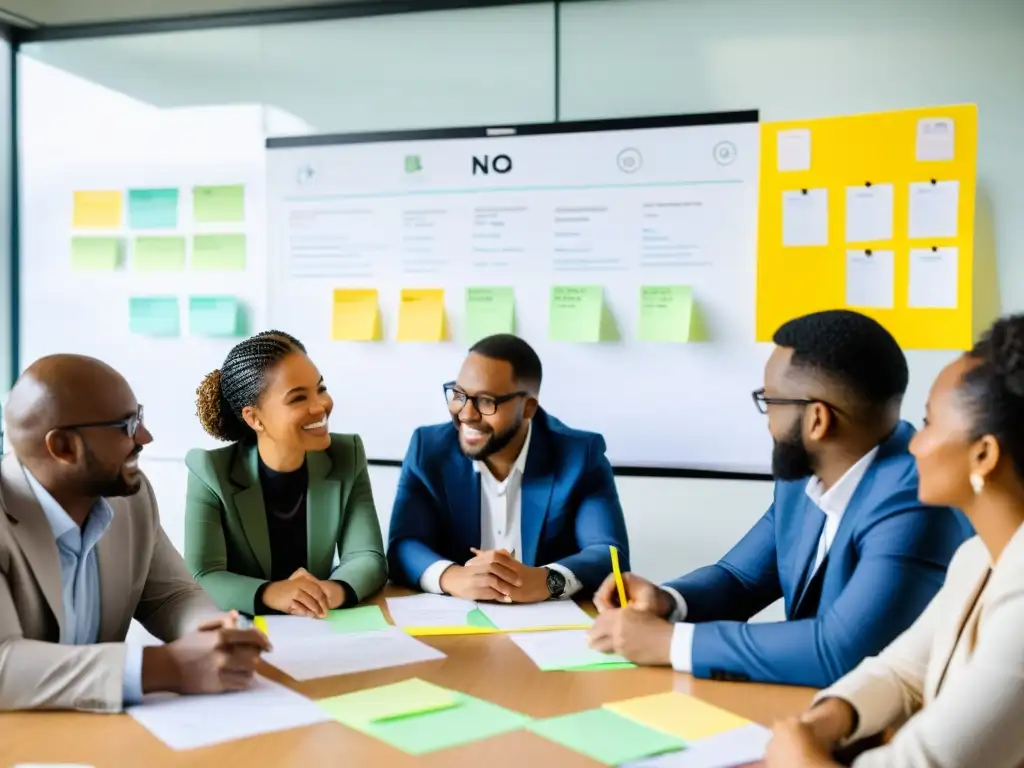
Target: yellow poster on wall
871 212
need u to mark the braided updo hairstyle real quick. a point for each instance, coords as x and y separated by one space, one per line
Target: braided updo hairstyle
239 382
993 390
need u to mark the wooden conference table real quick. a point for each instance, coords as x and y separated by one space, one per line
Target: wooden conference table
487 666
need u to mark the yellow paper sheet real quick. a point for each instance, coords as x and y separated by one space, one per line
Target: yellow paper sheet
679 715
356 315
421 315
98 209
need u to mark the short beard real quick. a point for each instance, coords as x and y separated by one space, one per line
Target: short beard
98 484
790 457
496 442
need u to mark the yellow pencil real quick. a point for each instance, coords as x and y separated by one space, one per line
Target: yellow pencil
618 577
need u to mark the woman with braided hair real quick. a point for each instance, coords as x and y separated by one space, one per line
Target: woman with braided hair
266 516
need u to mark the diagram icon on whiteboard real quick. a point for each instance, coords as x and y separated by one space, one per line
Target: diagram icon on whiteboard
630 160
724 152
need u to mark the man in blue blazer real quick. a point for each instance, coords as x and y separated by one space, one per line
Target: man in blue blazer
846 543
504 502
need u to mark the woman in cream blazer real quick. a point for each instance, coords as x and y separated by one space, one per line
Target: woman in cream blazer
953 683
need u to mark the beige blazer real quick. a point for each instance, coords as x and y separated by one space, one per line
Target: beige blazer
141 576
972 716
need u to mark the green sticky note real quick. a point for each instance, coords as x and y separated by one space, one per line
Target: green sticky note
578 313
152 208
95 253
669 313
389 702
158 254
218 205
218 253
363 618
489 311
477 618
603 667
218 316
470 720
154 316
606 737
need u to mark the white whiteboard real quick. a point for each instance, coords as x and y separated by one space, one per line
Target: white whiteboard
87 312
683 212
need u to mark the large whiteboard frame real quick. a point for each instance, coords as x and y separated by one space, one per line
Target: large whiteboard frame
700 422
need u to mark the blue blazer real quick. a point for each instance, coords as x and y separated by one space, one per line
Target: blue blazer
570 505
886 562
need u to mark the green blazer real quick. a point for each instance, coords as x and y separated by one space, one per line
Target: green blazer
227 546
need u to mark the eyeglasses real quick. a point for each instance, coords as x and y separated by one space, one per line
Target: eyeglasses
486 405
761 402
130 424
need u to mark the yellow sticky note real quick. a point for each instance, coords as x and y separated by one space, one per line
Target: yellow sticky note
356 315
679 715
98 209
421 315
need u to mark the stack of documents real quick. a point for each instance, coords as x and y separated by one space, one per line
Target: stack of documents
443 615
418 717
344 654
282 629
560 614
188 722
565 650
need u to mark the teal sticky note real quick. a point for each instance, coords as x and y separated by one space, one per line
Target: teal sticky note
215 316
362 618
152 208
154 316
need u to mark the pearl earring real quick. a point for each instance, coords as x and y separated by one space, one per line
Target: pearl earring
978 484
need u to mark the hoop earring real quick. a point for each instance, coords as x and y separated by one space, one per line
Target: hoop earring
977 484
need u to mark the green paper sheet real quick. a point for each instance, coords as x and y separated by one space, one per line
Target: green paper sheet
218 252
95 254
477 618
606 737
668 313
470 720
389 702
154 316
603 667
218 205
489 311
216 316
158 254
364 618
152 208
578 313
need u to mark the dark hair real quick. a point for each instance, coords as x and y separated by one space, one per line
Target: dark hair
993 390
240 382
854 351
526 367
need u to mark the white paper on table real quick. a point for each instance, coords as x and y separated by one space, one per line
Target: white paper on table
562 649
553 613
289 629
349 653
739 746
934 209
794 149
869 213
869 279
188 722
805 217
428 610
935 139
934 278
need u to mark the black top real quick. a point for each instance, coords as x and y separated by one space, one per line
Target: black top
284 499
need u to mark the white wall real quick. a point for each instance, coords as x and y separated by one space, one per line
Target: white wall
789 58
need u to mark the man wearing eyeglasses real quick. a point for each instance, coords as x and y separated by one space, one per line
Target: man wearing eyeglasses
82 553
846 544
504 502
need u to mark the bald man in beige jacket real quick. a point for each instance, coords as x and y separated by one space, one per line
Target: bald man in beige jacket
82 553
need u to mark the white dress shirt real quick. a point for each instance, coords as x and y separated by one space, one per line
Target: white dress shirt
833 502
501 512
80 579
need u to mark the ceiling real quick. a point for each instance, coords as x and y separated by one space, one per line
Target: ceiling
40 13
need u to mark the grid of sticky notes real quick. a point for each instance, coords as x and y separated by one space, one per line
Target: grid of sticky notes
576 313
140 230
